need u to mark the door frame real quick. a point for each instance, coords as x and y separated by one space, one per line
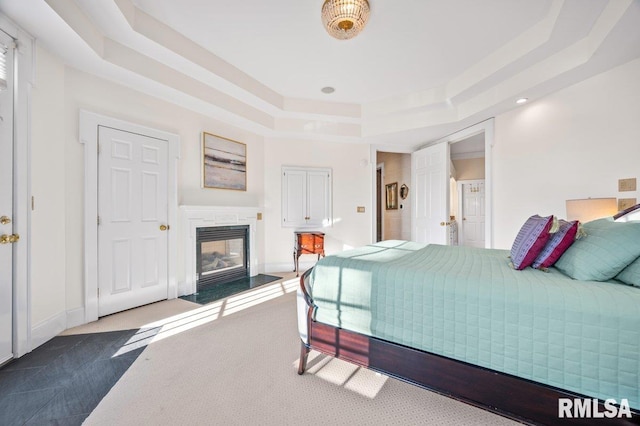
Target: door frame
379 196
88 132
24 72
487 127
459 185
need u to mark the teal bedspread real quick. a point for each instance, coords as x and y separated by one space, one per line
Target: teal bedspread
468 304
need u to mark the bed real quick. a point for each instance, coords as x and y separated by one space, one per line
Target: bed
464 323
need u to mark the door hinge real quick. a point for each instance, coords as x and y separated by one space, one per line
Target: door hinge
98 291
98 220
99 149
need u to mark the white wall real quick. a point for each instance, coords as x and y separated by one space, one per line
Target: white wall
575 143
469 168
48 218
352 183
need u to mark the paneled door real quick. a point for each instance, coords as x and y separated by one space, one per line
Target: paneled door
132 220
7 237
430 171
473 216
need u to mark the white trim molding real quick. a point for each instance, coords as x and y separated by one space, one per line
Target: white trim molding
49 328
194 217
24 77
487 127
89 123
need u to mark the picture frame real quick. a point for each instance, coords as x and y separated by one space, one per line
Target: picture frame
224 163
404 191
392 196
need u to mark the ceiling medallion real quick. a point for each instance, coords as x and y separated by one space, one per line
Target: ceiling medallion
344 19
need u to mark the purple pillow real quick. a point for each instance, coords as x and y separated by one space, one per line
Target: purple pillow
530 241
557 244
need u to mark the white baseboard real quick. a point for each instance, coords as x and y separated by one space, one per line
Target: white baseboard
48 329
75 317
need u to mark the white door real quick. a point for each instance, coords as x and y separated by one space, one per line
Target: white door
431 203
318 197
6 197
132 217
306 197
294 197
473 214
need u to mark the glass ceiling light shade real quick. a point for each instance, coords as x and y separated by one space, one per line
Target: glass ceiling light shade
344 19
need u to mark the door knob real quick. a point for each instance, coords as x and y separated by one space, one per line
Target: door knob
164 227
4 220
9 239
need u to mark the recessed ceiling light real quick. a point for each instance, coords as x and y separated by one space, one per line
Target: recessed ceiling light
327 90
522 100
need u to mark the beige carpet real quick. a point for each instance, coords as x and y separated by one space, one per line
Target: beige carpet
234 362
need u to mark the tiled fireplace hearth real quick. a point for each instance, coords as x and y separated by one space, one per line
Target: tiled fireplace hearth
199 219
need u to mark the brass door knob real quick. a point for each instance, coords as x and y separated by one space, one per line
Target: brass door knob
4 220
164 227
9 239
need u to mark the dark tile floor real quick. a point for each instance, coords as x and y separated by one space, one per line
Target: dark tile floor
62 381
218 291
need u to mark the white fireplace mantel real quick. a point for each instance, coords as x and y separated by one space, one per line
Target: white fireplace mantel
194 217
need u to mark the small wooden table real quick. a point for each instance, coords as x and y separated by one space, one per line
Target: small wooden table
307 243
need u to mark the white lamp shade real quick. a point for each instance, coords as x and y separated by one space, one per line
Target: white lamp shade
588 209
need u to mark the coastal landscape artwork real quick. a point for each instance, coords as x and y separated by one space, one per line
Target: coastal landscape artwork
224 163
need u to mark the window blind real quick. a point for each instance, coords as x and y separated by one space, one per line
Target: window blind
3 66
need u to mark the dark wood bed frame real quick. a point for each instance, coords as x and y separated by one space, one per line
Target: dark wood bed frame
510 396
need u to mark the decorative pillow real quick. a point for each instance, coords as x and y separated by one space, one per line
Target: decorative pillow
607 249
530 241
558 243
631 274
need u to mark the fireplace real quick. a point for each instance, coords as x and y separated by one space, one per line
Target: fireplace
222 254
195 218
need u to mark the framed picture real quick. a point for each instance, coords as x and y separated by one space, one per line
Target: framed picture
392 196
224 163
404 191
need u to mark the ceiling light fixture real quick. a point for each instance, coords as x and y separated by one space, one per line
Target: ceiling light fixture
344 19
522 100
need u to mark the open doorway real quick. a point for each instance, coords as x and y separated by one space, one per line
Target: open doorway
467 194
393 216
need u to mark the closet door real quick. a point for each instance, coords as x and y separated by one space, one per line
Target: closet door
306 197
318 198
294 197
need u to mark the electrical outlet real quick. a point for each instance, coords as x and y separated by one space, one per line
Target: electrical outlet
627 184
360 209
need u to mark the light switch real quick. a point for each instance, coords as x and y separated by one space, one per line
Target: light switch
259 216
360 209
